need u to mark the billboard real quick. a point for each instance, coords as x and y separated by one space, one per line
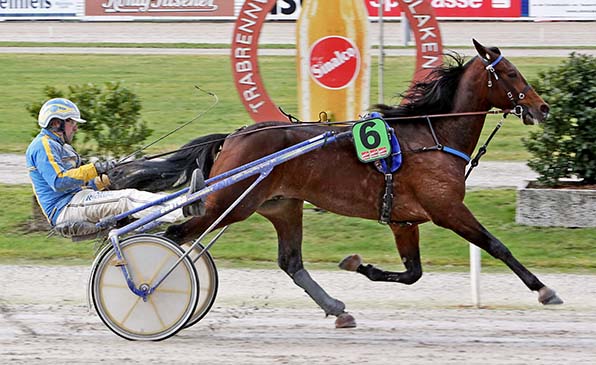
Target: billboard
448 9
559 9
159 8
245 63
38 9
453 8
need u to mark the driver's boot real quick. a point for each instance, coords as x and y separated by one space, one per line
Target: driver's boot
197 182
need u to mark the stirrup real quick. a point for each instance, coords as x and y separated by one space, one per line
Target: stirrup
197 182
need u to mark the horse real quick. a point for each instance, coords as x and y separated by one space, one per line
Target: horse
429 185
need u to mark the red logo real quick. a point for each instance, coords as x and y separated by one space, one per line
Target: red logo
334 62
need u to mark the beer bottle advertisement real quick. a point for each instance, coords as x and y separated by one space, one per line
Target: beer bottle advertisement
333 59
333 56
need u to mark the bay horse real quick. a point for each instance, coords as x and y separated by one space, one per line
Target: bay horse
429 186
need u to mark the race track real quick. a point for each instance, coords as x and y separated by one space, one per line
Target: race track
260 317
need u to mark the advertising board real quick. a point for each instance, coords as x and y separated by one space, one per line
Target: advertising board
563 9
288 9
245 63
446 9
38 9
452 8
284 10
159 8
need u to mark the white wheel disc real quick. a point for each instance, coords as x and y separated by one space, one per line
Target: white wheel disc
166 310
208 282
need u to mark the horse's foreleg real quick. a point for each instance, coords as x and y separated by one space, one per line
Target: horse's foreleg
286 216
462 221
407 241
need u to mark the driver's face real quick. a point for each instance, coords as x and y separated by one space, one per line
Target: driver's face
70 129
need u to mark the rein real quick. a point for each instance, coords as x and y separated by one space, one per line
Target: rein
295 124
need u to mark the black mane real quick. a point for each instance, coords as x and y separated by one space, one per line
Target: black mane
433 95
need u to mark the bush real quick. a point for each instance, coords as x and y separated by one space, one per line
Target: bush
113 127
566 144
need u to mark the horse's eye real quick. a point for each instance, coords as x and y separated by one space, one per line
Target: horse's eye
512 75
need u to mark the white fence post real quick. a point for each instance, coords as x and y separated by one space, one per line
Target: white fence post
475 266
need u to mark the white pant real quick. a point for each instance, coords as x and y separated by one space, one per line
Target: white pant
91 206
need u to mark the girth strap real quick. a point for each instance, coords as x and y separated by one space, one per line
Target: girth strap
388 167
387 200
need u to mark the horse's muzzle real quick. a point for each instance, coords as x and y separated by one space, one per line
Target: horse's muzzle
532 116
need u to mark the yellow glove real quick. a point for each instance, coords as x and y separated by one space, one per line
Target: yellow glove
102 182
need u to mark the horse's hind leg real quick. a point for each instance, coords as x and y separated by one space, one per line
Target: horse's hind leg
286 216
407 241
462 221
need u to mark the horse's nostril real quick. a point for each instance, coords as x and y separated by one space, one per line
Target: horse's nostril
544 108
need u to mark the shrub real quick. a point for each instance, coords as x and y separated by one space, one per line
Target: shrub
113 127
566 144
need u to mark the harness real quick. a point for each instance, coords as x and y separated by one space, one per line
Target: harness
390 165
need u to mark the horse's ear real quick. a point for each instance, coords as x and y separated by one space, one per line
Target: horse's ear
482 51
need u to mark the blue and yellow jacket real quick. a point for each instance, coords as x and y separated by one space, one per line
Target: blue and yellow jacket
56 173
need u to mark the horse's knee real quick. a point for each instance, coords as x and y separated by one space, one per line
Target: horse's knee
289 264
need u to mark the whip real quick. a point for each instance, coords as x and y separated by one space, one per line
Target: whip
215 102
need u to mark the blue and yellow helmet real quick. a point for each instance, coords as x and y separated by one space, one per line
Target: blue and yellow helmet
58 108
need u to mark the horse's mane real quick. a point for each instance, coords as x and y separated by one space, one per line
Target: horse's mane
433 95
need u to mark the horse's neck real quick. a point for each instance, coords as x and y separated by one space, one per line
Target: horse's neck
463 132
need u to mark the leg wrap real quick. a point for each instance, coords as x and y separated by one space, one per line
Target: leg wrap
327 303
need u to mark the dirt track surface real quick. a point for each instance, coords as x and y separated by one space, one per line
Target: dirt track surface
261 317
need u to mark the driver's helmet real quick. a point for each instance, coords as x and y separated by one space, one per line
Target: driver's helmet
58 108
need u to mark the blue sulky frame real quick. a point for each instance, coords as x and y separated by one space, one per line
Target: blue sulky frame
261 167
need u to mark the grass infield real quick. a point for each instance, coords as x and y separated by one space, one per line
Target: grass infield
329 237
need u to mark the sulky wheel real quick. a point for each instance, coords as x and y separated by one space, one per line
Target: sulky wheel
208 280
166 310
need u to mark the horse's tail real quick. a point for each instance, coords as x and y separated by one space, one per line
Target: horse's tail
172 172
199 153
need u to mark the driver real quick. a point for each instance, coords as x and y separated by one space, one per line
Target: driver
67 191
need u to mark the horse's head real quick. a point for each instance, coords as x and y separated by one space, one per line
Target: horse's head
508 89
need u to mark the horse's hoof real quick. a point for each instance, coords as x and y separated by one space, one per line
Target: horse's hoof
351 262
548 296
345 320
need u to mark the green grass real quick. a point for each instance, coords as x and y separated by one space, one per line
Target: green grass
328 238
165 84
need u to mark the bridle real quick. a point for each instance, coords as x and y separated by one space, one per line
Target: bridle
514 96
